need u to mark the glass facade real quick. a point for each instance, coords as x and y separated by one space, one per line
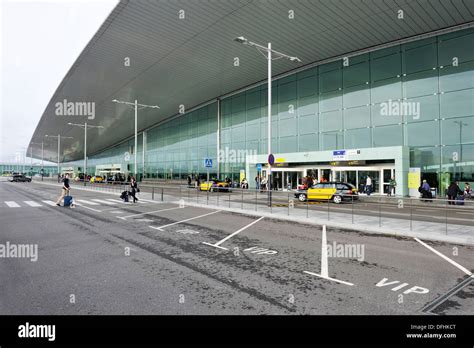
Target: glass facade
418 94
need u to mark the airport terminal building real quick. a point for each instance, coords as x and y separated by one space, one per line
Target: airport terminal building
384 88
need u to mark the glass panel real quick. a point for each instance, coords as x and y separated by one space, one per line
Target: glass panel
308 142
307 124
332 141
421 109
331 121
457 104
382 114
388 136
454 78
307 86
457 131
357 138
461 47
330 101
330 81
357 117
286 91
385 90
288 127
356 74
423 133
422 83
356 96
385 67
420 59
307 106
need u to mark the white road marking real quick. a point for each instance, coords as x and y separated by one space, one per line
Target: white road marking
150 212
50 203
464 213
12 204
324 261
83 206
178 222
454 263
33 204
147 200
117 212
83 201
324 255
217 245
104 201
328 278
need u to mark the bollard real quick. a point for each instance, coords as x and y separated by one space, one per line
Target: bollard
153 193
162 194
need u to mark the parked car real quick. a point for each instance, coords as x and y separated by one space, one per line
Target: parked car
96 178
20 178
338 192
214 186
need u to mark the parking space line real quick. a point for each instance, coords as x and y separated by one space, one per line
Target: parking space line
329 278
104 201
178 222
149 212
217 245
454 263
324 261
12 204
33 204
83 206
82 201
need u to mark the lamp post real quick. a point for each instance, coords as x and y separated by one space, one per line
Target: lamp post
85 126
461 124
42 156
136 106
59 146
270 55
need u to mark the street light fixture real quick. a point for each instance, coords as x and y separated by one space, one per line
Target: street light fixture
136 106
59 145
85 126
42 156
270 55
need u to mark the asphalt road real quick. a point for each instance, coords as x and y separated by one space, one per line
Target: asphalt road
109 257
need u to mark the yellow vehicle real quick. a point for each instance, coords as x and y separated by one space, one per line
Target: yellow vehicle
96 178
337 192
214 185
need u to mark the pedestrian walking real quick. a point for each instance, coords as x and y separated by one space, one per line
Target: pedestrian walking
64 190
425 191
453 192
392 184
368 185
134 189
257 182
189 180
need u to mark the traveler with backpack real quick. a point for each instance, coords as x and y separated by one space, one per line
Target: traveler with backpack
453 192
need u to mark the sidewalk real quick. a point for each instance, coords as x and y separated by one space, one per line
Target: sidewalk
451 233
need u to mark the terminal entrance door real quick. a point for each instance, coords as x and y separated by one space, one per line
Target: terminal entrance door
349 176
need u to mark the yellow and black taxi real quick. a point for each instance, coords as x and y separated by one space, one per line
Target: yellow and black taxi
214 185
337 192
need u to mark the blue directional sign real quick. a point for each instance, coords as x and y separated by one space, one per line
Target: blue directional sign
259 167
208 162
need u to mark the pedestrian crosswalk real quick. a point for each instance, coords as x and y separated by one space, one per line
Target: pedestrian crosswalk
84 202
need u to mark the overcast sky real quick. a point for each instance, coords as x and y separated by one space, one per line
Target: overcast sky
40 40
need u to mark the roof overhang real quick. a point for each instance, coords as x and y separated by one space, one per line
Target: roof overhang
189 61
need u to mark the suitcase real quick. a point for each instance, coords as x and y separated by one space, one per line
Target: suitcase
124 196
67 201
459 200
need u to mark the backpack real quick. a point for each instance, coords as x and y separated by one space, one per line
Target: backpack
420 189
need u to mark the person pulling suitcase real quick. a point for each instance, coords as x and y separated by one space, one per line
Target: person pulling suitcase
65 193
